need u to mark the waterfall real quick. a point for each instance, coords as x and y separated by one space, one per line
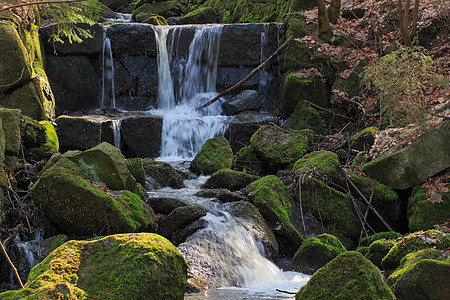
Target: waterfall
184 128
108 93
116 124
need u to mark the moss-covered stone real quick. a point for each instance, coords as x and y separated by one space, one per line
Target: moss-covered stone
359 160
414 242
351 85
388 235
273 200
165 205
362 249
422 275
306 117
204 15
423 213
247 160
162 8
67 197
229 179
50 145
155 20
214 155
162 173
348 276
123 266
27 100
316 252
320 164
2 143
136 168
14 59
296 26
378 250
11 128
279 148
364 139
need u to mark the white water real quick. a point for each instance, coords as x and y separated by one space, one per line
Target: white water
227 254
184 128
108 93
116 130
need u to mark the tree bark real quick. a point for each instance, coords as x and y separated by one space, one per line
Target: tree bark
324 22
334 10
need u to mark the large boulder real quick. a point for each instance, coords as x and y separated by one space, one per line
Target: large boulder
246 100
122 266
321 164
273 200
314 253
364 139
204 15
422 275
244 125
162 8
378 250
141 136
229 179
136 40
348 276
280 148
11 128
39 139
14 58
27 100
214 155
412 165
162 174
77 206
427 209
306 117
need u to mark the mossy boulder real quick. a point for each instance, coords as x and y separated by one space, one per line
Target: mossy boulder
163 174
39 139
248 159
306 117
422 275
279 148
122 266
378 250
364 139
424 212
203 15
14 59
163 8
388 235
412 165
275 203
351 85
27 100
412 243
348 276
229 179
2 143
136 168
67 197
319 164
165 205
314 253
214 155
11 128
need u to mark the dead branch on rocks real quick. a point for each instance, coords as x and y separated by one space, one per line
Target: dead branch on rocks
11 265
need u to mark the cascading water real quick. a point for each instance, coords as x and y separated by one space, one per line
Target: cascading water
116 124
184 128
108 93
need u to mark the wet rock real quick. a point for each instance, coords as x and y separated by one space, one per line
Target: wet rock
15 61
214 155
388 235
88 46
332 281
314 253
141 136
364 139
140 266
83 92
246 100
139 40
163 174
11 128
27 100
412 165
77 206
229 179
179 218
204 15
229 76
165 205
244 125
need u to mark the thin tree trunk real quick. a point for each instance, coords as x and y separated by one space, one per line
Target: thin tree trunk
333 10
324 22
406 38
414 20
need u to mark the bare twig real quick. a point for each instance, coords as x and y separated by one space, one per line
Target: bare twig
329 110
286 292
11 265
38 3
11 84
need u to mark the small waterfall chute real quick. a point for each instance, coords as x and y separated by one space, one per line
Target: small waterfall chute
108 93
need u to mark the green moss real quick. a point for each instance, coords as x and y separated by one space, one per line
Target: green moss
414 242
229 179
27 100
163 8
320 164
389 235
359 160
51 145
316 252
297 56
362 249
378 250
306 117
125 266
57 241
136 168
352 85
364 139
348 276
204 15
214 155
423 214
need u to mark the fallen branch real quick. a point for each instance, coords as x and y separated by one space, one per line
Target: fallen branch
38 3
12 265
286 292
252 73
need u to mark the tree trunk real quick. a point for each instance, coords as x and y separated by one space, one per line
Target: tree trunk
403 17
334 10
324 22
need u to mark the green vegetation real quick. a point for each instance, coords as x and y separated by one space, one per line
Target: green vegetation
389 235
214 155
229 179
319 164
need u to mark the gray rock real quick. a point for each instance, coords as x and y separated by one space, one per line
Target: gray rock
163 174
11 128
165 205
179 218
133 40
141 136
229 76
244 125
246 100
